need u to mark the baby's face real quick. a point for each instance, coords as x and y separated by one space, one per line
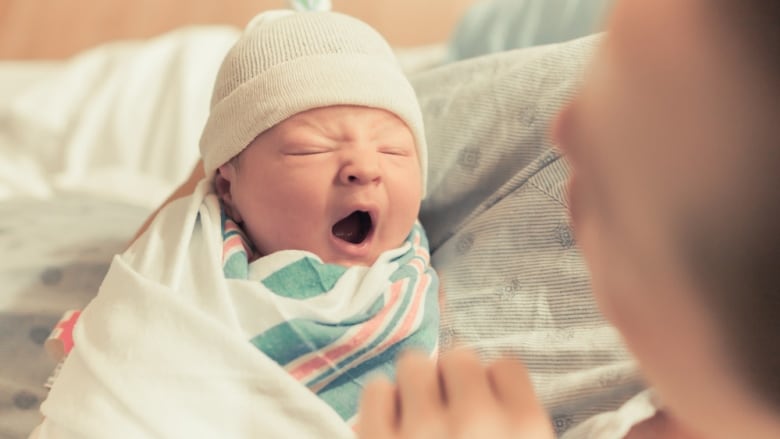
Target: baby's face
342 182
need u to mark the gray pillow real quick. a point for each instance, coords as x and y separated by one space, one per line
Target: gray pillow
496 218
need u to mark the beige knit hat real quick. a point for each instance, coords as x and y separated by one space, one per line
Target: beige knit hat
288 62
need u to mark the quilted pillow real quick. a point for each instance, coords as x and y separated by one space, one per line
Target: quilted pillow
497 222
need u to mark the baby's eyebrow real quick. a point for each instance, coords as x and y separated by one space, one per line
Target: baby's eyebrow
305 138
307 128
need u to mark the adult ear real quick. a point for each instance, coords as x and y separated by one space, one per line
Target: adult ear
224 180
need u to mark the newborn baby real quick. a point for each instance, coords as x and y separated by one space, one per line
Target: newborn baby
297 265
331 177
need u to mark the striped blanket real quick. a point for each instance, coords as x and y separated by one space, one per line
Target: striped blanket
380 310
189 336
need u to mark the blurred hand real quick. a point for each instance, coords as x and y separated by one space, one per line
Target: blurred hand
456 398
661 425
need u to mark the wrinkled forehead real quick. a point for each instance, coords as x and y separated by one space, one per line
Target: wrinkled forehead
345 121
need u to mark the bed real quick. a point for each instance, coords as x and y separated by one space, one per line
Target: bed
94 137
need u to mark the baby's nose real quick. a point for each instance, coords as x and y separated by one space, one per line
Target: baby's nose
362 169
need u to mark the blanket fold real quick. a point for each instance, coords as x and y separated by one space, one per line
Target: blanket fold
171 347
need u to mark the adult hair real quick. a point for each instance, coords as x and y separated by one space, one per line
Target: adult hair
756 23
734 255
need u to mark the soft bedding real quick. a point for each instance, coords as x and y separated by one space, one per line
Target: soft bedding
54 256
513 279
118 121
180 342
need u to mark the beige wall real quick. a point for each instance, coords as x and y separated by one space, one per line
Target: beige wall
59 28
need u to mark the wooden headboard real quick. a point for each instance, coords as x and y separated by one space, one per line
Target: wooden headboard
46 29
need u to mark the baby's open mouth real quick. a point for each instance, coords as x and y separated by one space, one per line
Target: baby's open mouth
353 228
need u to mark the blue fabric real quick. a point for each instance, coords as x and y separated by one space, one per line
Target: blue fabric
498 25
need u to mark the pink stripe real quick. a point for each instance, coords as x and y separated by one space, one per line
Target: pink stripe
357 341
231 245
321 363
235 242
406 328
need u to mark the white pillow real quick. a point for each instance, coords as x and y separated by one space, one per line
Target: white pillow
124 119
496 219
121 120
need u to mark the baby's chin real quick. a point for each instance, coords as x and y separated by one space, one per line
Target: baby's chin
345 261
336 251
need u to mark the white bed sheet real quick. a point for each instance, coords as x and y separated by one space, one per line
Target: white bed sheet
121 120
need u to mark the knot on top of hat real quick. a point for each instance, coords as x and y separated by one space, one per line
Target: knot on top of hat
297 5
311 5
267 17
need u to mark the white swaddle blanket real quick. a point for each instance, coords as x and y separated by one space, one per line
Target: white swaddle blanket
164 349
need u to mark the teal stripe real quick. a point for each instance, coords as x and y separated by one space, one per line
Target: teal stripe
236 267
292 340
430 310
237 264
343 393
377 341
411 274
304 279
288 341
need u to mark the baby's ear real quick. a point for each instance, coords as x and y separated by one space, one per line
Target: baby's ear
223 181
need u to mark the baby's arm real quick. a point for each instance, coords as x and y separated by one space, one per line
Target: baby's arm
187 188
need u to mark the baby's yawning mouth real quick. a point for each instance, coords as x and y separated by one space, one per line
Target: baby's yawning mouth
354 228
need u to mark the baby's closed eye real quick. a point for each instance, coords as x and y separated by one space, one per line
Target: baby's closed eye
305 150
396 150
